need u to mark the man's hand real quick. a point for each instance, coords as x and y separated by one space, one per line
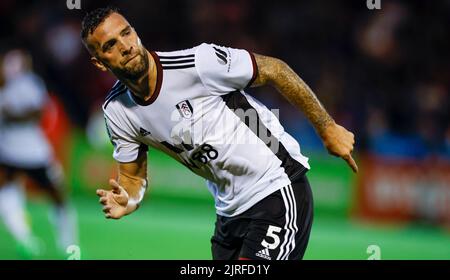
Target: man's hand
339 142
115 201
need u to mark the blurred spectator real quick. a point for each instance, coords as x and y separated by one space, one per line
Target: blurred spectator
26 153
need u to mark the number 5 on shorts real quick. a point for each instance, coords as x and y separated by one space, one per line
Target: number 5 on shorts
271 232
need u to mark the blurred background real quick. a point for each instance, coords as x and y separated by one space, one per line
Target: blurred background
384 74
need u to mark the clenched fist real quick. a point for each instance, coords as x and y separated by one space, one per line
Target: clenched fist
339 142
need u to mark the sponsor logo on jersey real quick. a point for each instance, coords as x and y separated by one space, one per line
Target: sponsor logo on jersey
221 56
144 132
264 253
185 109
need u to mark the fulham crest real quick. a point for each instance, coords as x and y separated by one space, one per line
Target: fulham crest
185 109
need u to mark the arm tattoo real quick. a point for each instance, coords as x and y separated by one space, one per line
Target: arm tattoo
293 88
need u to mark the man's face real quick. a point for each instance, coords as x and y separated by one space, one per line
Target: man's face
116 46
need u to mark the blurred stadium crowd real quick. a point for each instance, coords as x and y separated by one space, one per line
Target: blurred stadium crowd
384 74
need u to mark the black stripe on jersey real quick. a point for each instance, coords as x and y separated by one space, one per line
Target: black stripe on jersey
177 61
114 93
116 85
115 90
175 57
171 147
169 67
236 100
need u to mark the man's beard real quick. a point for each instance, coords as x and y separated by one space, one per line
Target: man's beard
134 71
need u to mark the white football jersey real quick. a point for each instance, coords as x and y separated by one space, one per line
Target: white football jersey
23 144
200 116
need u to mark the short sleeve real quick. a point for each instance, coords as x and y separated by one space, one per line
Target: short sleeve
126 149
224 69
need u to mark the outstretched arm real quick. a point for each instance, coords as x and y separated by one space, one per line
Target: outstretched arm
128 191
278 74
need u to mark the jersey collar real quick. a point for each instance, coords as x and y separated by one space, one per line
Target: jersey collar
159 78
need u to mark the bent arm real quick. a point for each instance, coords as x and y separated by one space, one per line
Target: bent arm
278 74
275 72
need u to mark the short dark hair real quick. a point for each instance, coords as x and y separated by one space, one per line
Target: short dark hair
93 19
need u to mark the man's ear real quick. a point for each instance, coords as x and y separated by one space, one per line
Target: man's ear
97 63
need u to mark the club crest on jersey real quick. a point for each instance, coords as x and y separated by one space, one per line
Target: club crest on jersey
185 109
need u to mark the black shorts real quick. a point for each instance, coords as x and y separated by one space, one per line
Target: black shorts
275 228
41 176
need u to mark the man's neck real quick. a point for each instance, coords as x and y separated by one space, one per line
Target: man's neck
144 87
